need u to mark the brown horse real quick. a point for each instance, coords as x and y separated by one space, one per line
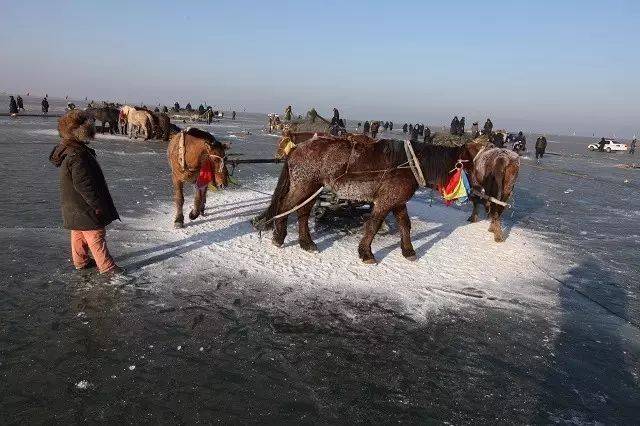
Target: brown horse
188 152
372 172
494 175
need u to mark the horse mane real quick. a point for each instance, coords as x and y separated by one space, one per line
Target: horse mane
201 134
437 161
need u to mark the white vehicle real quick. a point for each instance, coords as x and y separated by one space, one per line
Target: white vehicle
609 145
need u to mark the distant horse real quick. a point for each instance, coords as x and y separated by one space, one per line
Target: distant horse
188 152
371 172
163 126
494 175
105 114
138 120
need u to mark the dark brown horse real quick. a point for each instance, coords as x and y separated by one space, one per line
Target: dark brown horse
372 172
187 153
494 175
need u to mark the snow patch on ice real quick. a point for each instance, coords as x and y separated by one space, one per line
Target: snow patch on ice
455 259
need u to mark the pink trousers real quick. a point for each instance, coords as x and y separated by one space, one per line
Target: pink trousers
95 241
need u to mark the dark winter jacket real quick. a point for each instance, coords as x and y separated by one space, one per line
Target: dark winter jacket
541 144
13 106
85 199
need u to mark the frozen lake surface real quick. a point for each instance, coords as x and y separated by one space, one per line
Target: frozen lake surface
218 324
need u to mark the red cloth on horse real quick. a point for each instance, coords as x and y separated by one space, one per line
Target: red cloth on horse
206 174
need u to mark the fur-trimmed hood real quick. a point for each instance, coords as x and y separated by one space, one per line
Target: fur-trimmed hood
76 125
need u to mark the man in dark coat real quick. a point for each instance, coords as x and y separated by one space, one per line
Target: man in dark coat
165 109
233 115
601 145
335 121
427 135
201 109
632 147
20 102
188 107
176 107
455 123
461 127
87 206
366 127
414 134
390 126
13 106
404 128
45 106
488 127
541 147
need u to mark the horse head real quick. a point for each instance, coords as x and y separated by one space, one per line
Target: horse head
218 156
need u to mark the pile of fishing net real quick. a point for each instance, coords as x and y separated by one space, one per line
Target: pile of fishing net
313 122
447 139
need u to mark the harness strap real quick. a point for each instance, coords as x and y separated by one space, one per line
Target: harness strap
414 164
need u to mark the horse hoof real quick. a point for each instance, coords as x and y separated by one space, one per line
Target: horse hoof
412 258
498 239
277 244
178 225
372 261
309 247
472 219
193 216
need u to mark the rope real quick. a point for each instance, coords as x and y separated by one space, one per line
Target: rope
278 216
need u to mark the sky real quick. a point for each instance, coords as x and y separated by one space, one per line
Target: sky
559 66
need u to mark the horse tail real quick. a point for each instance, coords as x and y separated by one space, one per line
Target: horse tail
509 178
264 220
152 126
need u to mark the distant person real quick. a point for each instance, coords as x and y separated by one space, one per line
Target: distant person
461 126
391 126
521 140
410 129
209 115
20 102
366 127
385 126
541 147
427 135
404 128
375 126
13 106
601 145
87 206
358 127
45 105
156 109
188 107
632 147
71 106
497 139
455 123
488 127
335 121
201 109
176 107
415 132
288 113
475 130
233 115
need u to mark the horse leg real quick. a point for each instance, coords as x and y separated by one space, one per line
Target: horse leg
204 201
279 231
496 225
178 198
304 236
197 204
371 227
402 218
474 214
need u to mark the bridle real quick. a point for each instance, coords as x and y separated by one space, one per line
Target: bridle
223 161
